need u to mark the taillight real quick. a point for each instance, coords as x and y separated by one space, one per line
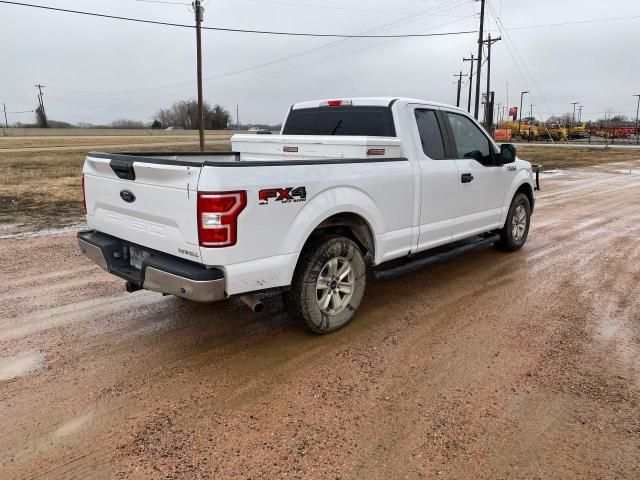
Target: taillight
218 217
84 196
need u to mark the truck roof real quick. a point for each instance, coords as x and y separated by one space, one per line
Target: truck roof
369 101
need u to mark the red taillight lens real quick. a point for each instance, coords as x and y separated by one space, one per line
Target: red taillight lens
84 196
218 217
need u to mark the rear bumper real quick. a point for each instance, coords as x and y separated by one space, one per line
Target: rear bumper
159 272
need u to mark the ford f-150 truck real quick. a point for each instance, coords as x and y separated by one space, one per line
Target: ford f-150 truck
350 185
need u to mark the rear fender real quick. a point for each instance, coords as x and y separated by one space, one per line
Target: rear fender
328 203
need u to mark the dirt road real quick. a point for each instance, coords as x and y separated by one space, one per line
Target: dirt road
493 365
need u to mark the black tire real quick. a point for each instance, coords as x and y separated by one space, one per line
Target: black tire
320 256
512 239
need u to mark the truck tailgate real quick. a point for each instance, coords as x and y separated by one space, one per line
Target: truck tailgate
153 204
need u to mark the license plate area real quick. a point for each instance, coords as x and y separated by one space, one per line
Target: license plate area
136 256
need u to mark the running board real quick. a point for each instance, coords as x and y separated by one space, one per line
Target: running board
417 264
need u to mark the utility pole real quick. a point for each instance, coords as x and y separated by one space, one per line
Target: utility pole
488 116
459 75
6 124
522 94
580 114
508 104
41 104
637 112
470 81
237 116
573 120
197 7
480 43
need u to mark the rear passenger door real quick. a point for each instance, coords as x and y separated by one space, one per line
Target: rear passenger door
438 177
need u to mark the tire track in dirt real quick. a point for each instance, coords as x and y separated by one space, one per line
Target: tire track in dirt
465 370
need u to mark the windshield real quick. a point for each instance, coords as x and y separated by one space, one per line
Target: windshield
360 121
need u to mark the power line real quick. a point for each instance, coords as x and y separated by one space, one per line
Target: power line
445 6
285 70
331 7
577 22
165 3
237 30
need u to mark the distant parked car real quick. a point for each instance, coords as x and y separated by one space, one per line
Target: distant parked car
171 129
263 131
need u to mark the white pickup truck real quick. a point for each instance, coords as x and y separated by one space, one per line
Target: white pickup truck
349 185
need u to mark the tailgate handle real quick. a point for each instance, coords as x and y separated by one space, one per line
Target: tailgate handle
123 168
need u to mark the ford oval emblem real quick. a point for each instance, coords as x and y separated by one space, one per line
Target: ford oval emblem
127 196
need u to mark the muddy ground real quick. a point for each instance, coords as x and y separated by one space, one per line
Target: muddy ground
490 366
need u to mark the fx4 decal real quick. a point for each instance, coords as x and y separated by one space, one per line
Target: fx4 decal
283 195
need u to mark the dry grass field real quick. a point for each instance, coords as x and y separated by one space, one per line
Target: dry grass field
41 189
553 158
40 176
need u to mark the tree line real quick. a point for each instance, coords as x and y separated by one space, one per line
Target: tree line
181 115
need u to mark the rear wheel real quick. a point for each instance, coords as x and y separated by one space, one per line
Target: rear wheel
516 228
328 284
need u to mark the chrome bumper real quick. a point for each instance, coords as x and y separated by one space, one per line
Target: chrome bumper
159 272
198 291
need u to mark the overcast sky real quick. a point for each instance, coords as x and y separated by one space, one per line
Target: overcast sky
96 70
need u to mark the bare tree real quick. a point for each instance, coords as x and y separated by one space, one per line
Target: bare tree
126 123
184 114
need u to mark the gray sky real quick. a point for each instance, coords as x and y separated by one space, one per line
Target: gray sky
96 70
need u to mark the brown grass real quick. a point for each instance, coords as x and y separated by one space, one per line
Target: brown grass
44 142
561 158
43 189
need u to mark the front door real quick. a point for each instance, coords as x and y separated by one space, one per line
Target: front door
482 182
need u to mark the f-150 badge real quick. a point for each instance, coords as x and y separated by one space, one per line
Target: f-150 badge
283 195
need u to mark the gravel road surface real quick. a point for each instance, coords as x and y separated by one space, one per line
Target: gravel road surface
490 366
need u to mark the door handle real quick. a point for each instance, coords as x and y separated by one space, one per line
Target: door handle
466 178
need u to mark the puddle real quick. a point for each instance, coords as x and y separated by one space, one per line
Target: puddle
20 364
552 173
72 426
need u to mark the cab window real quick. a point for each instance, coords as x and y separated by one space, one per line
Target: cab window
469 140
430 134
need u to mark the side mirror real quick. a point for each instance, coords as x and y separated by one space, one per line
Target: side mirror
508 153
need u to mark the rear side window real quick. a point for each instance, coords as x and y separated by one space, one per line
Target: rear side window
358 121
430 134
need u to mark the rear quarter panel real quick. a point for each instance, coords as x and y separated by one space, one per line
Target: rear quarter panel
271 235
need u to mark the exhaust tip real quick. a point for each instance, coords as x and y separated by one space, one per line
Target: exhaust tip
253 303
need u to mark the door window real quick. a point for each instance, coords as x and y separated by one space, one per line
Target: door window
469 139
430 134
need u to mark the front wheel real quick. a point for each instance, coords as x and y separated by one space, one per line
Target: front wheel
516 228
328 284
